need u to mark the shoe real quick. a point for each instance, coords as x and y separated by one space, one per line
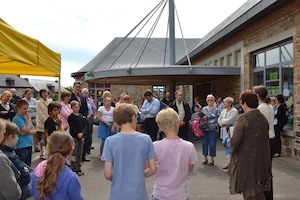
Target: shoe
92 147
79 173
204 162
276 155
36 150
225 167
88 152
85 160
42 157
211 163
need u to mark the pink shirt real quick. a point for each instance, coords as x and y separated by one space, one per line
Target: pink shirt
173 158
64 114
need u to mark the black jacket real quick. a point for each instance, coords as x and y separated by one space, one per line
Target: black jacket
83 106
187 115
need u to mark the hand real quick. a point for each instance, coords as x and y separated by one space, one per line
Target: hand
32 132
80 135
108 124
58 120
4 112
181 123
28 115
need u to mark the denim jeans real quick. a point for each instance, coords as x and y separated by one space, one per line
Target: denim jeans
209 141
25 155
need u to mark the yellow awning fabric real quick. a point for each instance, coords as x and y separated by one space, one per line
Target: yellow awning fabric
23 55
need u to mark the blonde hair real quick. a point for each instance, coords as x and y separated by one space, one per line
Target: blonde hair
73 103
2 127
59 146
211 96
229 100
167 120
106 94
11 129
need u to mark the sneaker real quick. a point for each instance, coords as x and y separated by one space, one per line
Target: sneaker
276 155
42 157
79 173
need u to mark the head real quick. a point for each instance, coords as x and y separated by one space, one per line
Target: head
6 96
228 102
179 95
261 91
59 146
106 94
49 94
2 130
168 120
196 100
210 99
13 92
279 99
168 95
148 95
77 87
75 106
11 135
219 100
43 94
107 102
53 110
85 93
127 99
124 114
197 107
22 107
65 96
28 93
249 99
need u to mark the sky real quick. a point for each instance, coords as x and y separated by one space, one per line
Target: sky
79 30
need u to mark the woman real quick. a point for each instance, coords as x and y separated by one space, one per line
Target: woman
52 179
7 110
280 114
65 109
106 126
209 141
228 116
250 166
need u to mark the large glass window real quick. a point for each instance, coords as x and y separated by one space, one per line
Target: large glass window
159 91
273 67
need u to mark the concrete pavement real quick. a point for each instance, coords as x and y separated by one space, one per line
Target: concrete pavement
205 182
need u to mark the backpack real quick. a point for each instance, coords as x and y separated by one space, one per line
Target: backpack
196 129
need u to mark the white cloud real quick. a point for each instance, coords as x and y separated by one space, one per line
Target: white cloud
80 29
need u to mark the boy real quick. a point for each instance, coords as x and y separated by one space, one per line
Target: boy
226 139
175 158
25 142
125 155
77 131
53 122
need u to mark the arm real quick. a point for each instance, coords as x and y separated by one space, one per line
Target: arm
40 112
101 119
143 109
154 107
188 113
27 128
191 167
152 168
108 171
238 134
231 118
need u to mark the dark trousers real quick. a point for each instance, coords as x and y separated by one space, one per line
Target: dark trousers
184 133
278 130
77 152
25 155
87 139
269 194
151 128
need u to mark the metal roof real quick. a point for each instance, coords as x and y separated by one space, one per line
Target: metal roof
39 84
18 82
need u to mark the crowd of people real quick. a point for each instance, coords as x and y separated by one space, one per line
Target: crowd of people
62 133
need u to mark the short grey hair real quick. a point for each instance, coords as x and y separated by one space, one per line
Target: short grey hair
229 100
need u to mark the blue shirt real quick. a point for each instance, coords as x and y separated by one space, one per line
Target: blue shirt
150 109
128 153
227 148
24 140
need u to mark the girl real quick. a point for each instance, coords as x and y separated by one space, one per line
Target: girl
52 179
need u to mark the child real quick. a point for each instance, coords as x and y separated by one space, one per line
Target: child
226 139
53 122
7 146
203 121
125 155
175 158
9 187
52 179
77 131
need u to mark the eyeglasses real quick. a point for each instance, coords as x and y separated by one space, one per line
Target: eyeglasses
209 100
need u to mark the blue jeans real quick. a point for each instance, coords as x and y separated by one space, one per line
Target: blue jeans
153 198
25 155
209 141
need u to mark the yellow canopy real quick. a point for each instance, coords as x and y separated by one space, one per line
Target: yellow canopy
23 55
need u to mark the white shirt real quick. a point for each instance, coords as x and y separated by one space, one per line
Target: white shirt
268 112
106 115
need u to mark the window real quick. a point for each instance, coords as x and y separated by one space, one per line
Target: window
229 60
50 87
216 63
159 91
238 58
222 61
10 82
273 67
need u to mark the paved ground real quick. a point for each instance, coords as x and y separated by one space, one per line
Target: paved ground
205 182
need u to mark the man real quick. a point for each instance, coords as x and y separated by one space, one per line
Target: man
150 109
15 97
92 110
167 99
32 111
184 112
76 95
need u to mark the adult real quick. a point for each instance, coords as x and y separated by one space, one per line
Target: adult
49 96
196 101
150 108
41 117
268 112
32 111
250 166
92 109
220 104
127 99
76 95
209 141
65 110
184 112
106 125
167 99
121 98
107 94
14 97
25 142
7 109
280 114
228 116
